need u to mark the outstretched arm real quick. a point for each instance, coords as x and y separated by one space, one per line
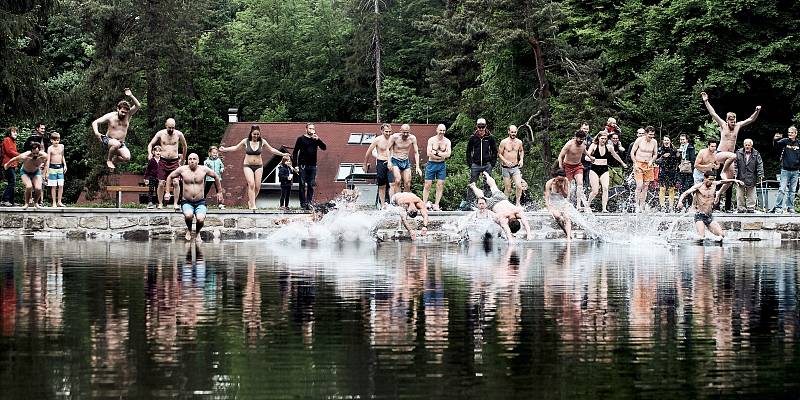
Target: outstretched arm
174 175
711 111
616 156
688 192
752 118
238 146
136 104
273 150
19 157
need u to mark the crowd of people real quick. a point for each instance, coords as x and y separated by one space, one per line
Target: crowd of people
682 175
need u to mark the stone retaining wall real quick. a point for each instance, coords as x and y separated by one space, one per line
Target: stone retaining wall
138 224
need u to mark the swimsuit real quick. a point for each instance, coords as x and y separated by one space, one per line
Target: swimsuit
105 140
194 207
55 175
401 164
600 169
497 196
573 169
644 171
254 167
382 173
435 170
508 172
32 174
705 218
166 166
251 151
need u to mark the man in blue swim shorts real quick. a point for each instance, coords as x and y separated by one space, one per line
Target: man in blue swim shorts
193 205
439 150
400 144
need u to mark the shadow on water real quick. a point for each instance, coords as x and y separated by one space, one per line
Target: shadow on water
489 320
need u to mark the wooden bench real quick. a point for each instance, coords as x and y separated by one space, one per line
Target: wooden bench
129 189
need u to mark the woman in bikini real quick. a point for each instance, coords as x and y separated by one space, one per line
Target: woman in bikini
253 164
598 175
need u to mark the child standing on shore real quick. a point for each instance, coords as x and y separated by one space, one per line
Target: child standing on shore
152 178
285 174
56 167
215 164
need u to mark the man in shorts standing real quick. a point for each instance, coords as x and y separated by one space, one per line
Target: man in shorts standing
512 155
439 149
383 175
56 167
643 154
400 144
118 122
31 172
194 203
170 140
570 160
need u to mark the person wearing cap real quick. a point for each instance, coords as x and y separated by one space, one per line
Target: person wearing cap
481 153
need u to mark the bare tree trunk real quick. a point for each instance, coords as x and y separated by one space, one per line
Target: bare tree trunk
542 96
376 38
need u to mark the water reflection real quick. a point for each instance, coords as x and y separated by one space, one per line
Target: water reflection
161 319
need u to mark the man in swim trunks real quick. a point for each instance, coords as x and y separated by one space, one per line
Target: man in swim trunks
400 144
512 156
171 140
118 122
643 154
194 203
31 173
410 205
507 215
56 167
728 132
439 149
380 145
703 203
570 161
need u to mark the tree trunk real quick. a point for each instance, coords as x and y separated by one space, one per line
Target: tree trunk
542 97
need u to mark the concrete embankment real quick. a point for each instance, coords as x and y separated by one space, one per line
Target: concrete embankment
142 224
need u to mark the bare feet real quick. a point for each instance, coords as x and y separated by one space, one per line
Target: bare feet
188 235
176 207
54 205
25 206
197 238
110 164
61 204
159 206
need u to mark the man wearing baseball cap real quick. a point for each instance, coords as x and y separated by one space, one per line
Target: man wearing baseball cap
481 156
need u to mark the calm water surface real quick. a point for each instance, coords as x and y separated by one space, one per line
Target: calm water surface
257 320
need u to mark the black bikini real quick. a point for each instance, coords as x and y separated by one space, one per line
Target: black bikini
600 169
253 152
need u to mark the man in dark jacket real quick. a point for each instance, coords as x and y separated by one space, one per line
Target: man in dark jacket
305 158
481 156
789 149
750 170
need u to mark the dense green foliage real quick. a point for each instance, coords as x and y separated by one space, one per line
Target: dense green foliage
542 64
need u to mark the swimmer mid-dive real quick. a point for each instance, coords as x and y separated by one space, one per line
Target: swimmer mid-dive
410 205
556 193
508 216
703 202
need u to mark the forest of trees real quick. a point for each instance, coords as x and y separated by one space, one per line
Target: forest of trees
546 65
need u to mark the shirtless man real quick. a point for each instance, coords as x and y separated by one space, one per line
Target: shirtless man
439 150
31 173
507 215
728 132
400 144
556 193
410 205
56 167
381 148
194 203
512 156
705 161
170 140
703 203
570 160
118 123
643 154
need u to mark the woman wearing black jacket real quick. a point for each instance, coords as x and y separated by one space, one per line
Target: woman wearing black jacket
688 155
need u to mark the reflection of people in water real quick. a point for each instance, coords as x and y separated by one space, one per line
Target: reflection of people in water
251 306
435 306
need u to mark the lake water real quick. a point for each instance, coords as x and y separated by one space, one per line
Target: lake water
259 320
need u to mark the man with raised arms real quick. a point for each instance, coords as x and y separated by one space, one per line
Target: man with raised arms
512 156
118 122
439 149
507 215
643 154
194 203
703 203
570 160
410 205
170 140
32 161
728 132
380 145
400 144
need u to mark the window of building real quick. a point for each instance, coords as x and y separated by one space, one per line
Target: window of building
345 169
360 138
